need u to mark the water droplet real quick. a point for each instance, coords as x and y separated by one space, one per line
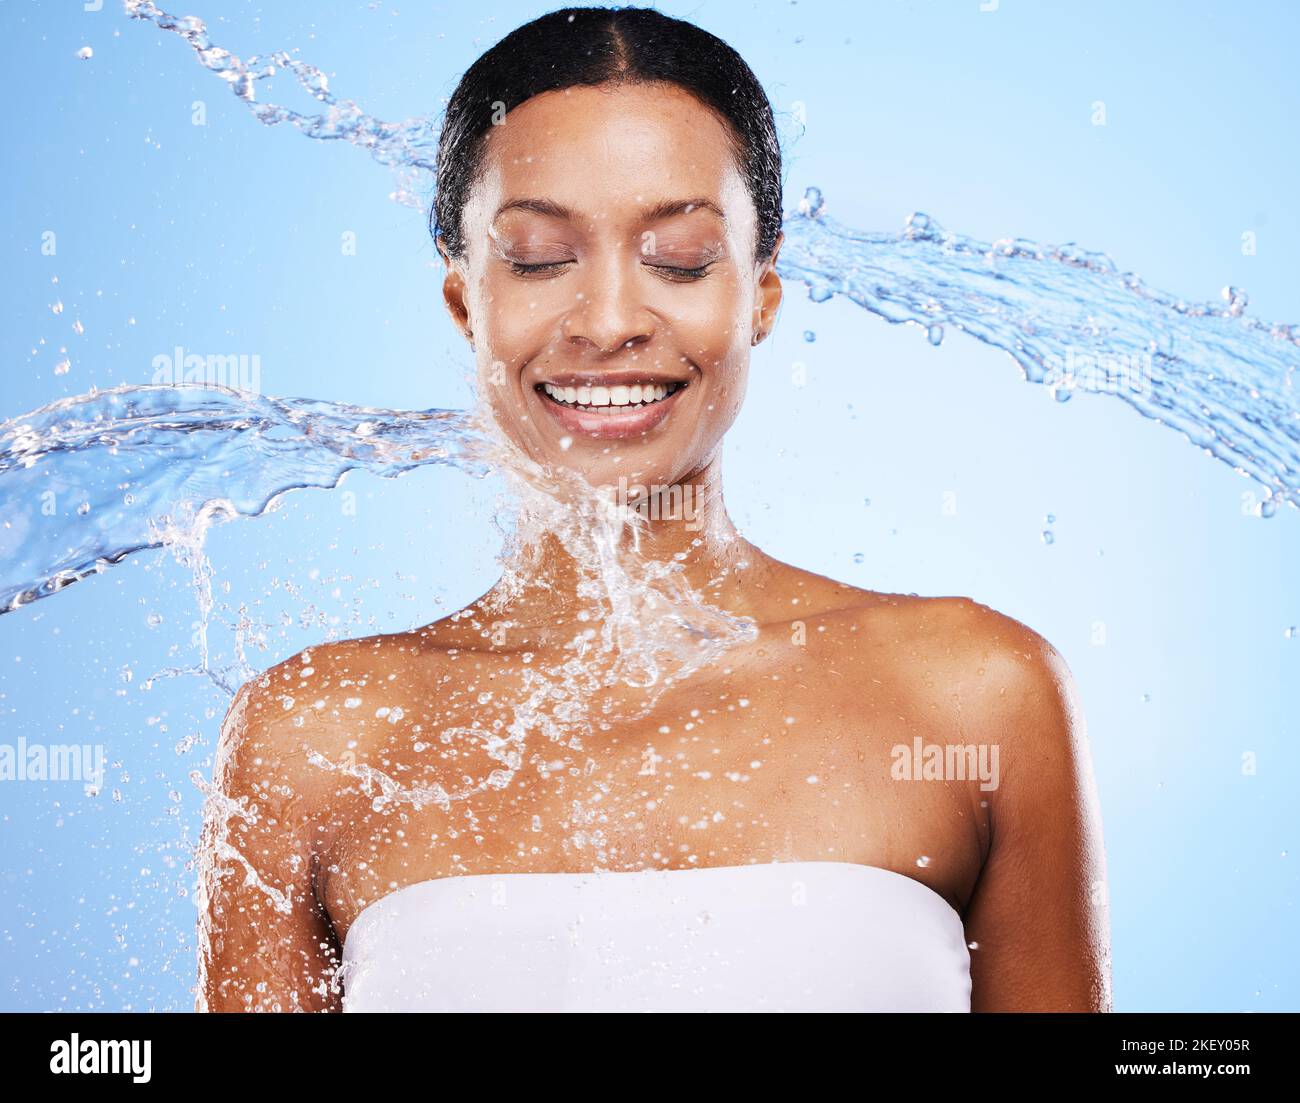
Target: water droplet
62 367
1050 518
1290 633
923 861
935 334
1146 698
78 328
809 336
858 557
813 203
85 53
566 443
56 307
1048 538
1236 299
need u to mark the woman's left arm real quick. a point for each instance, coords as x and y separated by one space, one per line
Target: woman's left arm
1038 917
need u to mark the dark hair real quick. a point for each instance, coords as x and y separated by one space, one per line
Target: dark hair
574 46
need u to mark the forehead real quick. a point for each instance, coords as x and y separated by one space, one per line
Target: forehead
605 151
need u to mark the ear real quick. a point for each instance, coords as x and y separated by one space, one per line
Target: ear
767 302
453 294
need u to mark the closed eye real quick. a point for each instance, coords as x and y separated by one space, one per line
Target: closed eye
674 273
669 271
550 268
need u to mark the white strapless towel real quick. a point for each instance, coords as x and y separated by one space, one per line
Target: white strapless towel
785 936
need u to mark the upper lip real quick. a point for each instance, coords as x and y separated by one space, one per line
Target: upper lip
611 378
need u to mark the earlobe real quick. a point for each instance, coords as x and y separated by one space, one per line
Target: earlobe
769 297
453 295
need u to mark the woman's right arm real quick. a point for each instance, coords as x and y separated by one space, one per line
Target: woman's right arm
265 942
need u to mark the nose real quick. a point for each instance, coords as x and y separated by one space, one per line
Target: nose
608 313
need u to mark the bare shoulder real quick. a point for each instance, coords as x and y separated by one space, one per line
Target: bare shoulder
1001 648
992 678
968 647
1002 684
1013 675
289 722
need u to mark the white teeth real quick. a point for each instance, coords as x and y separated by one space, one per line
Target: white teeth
637 394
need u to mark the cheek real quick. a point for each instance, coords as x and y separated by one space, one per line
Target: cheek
511 326
513 312
717 338
713 329
727 397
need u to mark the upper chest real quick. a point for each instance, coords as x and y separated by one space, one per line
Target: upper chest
783 753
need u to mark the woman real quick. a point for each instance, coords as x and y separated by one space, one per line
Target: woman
652 767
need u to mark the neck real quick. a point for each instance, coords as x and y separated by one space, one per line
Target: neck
579 557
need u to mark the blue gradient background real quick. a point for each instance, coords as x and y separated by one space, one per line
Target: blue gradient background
226 238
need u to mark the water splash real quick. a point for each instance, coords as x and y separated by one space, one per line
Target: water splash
91 479
1074 321
409 148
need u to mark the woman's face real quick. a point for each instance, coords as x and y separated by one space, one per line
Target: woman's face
609 286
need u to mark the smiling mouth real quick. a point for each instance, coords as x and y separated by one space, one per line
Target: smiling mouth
617 399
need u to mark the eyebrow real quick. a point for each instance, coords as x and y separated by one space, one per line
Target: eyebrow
664 209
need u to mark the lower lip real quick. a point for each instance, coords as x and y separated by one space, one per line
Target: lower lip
633 422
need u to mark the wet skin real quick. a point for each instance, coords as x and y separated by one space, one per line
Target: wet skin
780 752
